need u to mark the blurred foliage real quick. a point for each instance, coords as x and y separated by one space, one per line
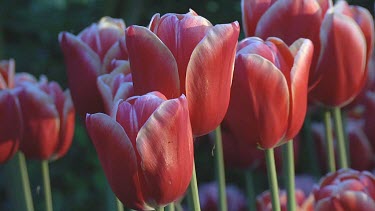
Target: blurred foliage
29 33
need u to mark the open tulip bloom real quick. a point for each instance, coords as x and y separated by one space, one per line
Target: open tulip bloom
145 148
185 54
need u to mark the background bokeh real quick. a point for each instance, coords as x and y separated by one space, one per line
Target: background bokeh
29 33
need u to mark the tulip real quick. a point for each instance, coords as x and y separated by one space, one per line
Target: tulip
10 134
303 203
174 46
88 55
269 92
208 197
342 37
48 118
145 148
346 189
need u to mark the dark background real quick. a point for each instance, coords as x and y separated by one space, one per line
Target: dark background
28 33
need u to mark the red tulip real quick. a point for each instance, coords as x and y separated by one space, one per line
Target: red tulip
145 149
48 118
88 55
185 54
269 92
345 189
342 37
10 118
303 203
208 197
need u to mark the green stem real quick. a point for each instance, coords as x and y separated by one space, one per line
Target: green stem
220 171
193 195
25 184
170 207
250 190
288 165
119 205
159 209
341 148
272 179
329 141
46 185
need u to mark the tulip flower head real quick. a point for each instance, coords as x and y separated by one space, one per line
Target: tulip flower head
88 55
345 189
269 92
303 203
145 148
48 118
185 55
10 134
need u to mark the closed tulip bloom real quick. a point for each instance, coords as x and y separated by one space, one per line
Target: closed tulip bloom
345 189
88 55
185 54
269 92
48 118
145 149
10 119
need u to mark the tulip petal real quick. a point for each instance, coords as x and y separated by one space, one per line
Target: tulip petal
117 157
209 77
299 83
181 36
352 200
41 123
10 134
267 99
152 64
166 157
342 61
252 11
83 67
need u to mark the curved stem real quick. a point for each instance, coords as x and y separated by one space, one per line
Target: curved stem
341 148
272 179
25 184
329 141
46 185
193 195
220 171
288 161
170 207
250 190
119 205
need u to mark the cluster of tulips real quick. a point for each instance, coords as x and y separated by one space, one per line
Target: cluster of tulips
147 93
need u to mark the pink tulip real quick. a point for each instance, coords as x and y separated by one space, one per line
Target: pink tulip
48 118
10 118
269 93
303 203
88 55
345 189
145 148
185 54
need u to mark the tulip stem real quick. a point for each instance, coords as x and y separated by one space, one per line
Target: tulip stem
272 179
329 141
119 205
220 171
193 196
170 207
159 209
21 185
343 161
250 190
288 165
46 185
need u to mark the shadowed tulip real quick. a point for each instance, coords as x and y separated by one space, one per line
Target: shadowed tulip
208 197
145 149
10 118
48 118
88 55
303 203
185 55
269 93
345 189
